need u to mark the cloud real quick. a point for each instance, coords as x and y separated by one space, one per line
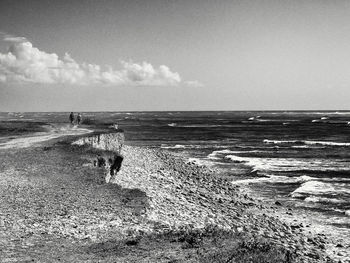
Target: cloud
14 39
23 63
11 38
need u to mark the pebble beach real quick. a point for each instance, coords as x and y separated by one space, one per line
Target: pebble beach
57 206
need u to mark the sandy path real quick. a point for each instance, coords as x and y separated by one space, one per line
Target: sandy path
54 132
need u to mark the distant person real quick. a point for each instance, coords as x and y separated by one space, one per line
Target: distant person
79 118
71 117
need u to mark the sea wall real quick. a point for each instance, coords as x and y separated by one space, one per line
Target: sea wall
112 142
111 145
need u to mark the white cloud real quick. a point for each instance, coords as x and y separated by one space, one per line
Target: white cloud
24 63
9 38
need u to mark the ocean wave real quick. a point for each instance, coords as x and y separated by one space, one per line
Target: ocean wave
302 142
172 124
290 164
274 179
267 141
313 113
199 162
320 188
238 159
214 154
192 146
177 146
254 118
318 199
326 143
203 125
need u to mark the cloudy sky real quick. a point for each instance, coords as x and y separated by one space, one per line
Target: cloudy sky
174 55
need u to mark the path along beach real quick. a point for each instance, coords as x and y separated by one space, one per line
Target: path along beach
57 206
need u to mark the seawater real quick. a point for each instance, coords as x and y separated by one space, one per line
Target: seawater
299 158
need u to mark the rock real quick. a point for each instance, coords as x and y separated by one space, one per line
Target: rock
321 246
313 255
115 163
339 245
132 242
278 203
101 162
341 253
294 227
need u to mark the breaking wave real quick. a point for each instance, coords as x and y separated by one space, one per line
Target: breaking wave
318 199
319 188
272 179
288 164
300 142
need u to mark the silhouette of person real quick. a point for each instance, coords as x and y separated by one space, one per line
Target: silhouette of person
79 118
71 117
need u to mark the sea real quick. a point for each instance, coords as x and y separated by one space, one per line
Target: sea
300 158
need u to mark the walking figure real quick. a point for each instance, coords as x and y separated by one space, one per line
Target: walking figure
71 117
79 118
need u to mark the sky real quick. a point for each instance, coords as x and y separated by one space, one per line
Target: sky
174 55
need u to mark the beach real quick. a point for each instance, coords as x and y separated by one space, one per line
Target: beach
57 206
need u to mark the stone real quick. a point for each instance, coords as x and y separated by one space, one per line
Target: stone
339 245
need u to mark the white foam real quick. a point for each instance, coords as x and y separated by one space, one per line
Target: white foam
190 146
318 199
214 154
325 143
180 146
328 143
203 125
279 141
317 187
290 164
177 146
274 179
238 159
172 124
200 162
251 180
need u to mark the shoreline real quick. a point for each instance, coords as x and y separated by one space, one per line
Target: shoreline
287 225
155 196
